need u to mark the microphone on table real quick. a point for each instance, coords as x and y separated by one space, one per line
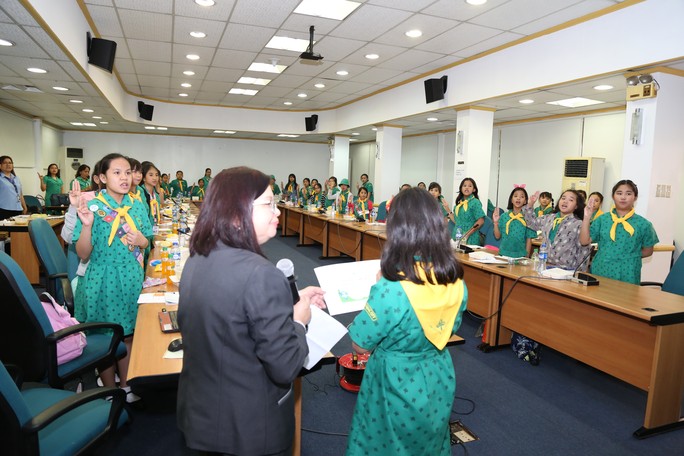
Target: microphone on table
287 268
582 278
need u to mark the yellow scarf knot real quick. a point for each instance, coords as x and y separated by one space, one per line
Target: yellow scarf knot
120 212
557 221
621 220
463 204
519 217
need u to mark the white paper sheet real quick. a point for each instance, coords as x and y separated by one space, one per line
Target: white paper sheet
347 285
324 332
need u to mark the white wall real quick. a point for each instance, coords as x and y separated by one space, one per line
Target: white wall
192 155
419 156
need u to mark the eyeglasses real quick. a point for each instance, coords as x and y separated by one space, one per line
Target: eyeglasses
272 203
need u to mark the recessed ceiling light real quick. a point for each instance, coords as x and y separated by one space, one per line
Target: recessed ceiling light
150 128
97 117
61 89
603 87
229 132
236 91
415 33
287 103
87 110
36 70
372 56
6 43
302 95
526 101
576 102
104 123
267 67
189 73
205 2
192 57
355 134
198 34
285 43
76 124
219 131
330 9
186 85
283 135
89 124
319 85
162 128
75 101
342 73
182 94
476 2
432 119
374 128
255 81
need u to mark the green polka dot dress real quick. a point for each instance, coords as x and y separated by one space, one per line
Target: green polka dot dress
408 386
466 219
112 283
621 259
514 244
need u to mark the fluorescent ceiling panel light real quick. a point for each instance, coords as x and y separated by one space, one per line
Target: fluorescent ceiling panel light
198 34
432 119
229 132
162 128
61 89
219 131
285 43
255 81
76 124
36 70
182 94
330 9
75 101
89 124
97 117
287 103
526 101
104 123
87 110
603 87
6 43
267 68
237 91
150 128
576 102
282 135
355 134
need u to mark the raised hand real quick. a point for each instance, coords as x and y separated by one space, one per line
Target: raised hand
75 193
588 212
496 216
84 214
533 199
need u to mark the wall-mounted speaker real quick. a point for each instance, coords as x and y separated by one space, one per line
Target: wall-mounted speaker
145 111
435 89
311 122
101 52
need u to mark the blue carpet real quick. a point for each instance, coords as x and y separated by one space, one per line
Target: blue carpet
561 407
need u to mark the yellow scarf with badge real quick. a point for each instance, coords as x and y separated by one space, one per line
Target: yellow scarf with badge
463 204
436 306
120 212
621 220
519 217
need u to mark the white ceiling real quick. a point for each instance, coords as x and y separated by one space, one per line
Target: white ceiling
153 40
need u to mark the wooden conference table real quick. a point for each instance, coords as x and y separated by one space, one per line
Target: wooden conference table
633 333
22 247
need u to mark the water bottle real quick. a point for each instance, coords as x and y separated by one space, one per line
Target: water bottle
174 219
176 255
535 260
543 255
458 237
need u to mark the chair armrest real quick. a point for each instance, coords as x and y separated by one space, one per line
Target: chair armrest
59 275
651 284
62 333
68 404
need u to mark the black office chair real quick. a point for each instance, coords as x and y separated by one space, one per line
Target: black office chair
28 340
33 204
48 421
54 261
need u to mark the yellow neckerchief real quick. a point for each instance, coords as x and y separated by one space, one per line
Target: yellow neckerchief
136 195
519 217
290 187
541 210
596 215
120 212
623 220
154 206
180 185
201 192
463 203
362 205
558 220
436 306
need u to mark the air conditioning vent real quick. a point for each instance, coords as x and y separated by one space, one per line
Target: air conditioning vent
576 168
584 173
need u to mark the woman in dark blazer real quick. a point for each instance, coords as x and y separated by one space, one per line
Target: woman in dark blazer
244 342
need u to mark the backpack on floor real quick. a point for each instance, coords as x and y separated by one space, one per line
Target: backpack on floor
525 348
70 347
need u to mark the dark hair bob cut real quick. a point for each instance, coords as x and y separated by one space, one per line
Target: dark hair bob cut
226 214
416 232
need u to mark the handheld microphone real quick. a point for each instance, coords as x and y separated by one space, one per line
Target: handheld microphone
287 268
582 278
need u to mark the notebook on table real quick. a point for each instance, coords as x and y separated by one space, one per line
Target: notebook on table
168 321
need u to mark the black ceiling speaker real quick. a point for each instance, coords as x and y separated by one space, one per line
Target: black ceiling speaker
309 56
311 122
435 89
101 52
145 111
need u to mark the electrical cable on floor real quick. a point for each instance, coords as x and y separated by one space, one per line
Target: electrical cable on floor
470 401
338 434
465 450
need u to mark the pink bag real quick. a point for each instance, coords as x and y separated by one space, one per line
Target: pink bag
70 347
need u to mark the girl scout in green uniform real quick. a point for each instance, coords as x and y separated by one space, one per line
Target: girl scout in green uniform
512 228
305 190
468 213
83 178
51 184
112 231
345 194
331 190
545 204
363 205
436 190
198 190
595 201
367 185
623 237
315 197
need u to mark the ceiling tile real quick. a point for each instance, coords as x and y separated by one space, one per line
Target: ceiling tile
410 59
514 14
140 25
150 50
226 58
368 22
246 37
157 6
106 22
219 12
457 38
254 12
182 26
431 26
153 68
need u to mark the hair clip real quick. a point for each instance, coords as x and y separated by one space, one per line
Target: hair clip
518 185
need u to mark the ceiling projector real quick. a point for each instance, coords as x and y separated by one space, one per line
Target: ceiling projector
309 56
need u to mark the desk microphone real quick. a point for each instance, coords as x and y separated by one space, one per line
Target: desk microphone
287 268
582 278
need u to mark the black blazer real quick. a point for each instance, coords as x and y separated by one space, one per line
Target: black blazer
242 350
